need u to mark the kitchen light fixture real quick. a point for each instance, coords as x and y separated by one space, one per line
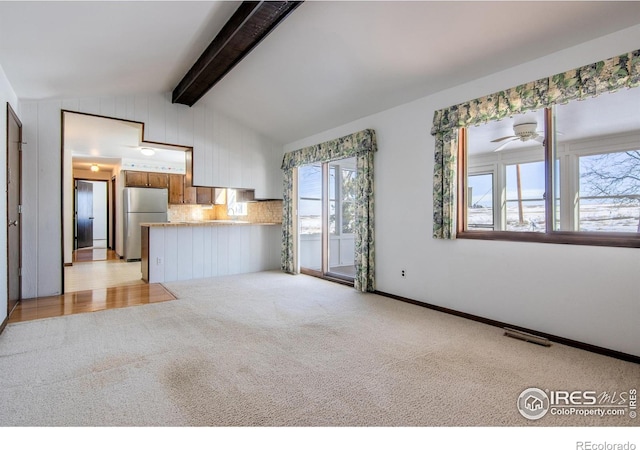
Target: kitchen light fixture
95 168
146 151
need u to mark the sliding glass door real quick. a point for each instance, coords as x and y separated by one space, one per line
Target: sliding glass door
326 218
310 221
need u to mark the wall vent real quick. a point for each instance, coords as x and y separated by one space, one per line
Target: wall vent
527 337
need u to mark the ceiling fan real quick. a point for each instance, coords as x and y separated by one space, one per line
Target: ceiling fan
521 132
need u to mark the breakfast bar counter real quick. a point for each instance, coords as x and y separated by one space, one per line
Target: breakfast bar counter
188 250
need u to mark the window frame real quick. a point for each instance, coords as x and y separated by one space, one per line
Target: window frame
606 239
493 171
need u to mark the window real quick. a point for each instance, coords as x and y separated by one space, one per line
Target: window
310 199
235 208
480 194
581 187
609 192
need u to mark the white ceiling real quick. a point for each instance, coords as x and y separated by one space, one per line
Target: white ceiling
607 114
97 140
328 63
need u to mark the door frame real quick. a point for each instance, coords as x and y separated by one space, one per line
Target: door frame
11 115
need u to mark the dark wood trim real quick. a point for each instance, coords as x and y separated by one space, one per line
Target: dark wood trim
62 111
112 233
11 115
558 339
4 324
134 122
184 148
144 253
629 240
68 264
247 27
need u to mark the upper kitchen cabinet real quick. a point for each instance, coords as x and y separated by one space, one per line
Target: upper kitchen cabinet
146 179
158 180
181 192
204 196
176 189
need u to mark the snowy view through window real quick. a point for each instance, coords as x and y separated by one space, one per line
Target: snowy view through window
310 199
596 175
608 196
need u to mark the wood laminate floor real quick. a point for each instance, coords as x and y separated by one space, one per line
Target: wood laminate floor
92 285
98 274
89 301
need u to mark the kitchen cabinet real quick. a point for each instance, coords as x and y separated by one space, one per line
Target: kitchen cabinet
146 179
181 192
176 189
190 195
204 196
158 180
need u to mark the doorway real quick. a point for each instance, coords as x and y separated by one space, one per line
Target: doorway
14 210
326 219
100 149
95 265
91 220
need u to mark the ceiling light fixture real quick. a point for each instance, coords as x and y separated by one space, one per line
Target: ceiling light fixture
146 151
95 168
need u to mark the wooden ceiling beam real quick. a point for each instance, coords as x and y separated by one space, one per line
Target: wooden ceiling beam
248 26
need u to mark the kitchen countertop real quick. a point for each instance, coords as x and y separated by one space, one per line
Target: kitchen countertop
205 223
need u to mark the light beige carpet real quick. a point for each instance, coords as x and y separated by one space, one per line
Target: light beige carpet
270 349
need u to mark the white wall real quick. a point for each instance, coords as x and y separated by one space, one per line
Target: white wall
99 210
7 95
186 253
589 294
226 154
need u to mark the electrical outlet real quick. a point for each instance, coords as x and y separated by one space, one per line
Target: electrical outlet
404 273
158 261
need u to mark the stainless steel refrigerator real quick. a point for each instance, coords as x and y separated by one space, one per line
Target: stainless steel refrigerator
141 205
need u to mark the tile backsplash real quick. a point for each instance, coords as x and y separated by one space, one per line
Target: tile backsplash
257 212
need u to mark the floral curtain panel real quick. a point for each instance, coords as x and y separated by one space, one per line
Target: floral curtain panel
361 145
588 81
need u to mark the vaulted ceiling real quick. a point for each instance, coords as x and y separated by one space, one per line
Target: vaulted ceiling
328 63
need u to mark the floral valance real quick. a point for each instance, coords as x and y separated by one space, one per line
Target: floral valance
344 147
587 81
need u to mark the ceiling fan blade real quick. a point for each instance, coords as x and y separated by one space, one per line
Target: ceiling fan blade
503 138
505 144
540 137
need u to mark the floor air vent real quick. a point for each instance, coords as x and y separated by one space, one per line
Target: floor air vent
527 337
